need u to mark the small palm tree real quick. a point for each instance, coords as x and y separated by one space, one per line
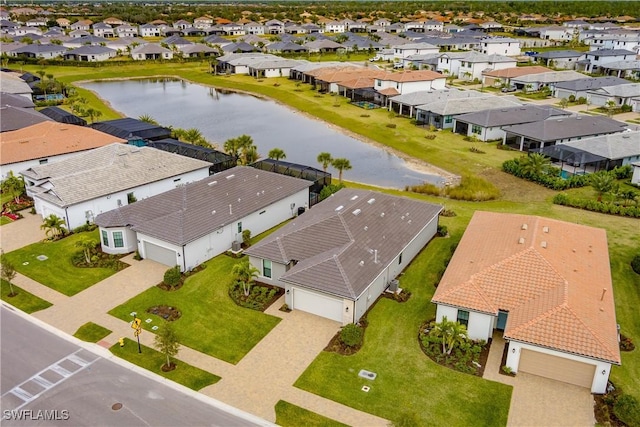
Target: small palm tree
148 119
341 164
87 245
245 273
53 226
325 160
277 154
450 333
231 147
602 182
535 164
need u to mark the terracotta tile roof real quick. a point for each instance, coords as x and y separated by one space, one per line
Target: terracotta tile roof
48 139
553 278
413 76
358 82
516 71
336 75
390 91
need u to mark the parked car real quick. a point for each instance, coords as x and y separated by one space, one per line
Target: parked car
508 89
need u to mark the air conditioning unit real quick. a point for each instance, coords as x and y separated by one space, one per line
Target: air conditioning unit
393 285
236 246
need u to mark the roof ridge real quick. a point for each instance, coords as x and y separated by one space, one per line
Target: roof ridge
342 272
591 332
283 252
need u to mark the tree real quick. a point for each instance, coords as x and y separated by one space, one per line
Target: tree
325 160
341 164
602 182
13 185
610 106
277 154
148 119
535 164
166 341
87 245
564 102
93 113
53 226
8 272
245 273
246 237
172 277
451 334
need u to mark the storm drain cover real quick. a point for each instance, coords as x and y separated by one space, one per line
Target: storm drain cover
116 406
367 374
42 257
366 388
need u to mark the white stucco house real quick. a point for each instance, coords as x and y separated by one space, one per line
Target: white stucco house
191 224
500 46
404 51
635 178
391 84
337 258
546 286
87 184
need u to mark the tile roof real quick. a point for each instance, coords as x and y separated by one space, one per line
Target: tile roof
613 146
516 71
567 127
390 91
553 278
513 115
10 83
186 213
591 83
16 118
628 90
453 106
107 170
343 243
413 76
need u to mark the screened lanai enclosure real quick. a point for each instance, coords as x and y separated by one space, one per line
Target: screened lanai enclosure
574 161
220 160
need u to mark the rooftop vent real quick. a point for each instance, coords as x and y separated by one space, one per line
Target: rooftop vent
521 241
545 229
354 197
524 226
231 176
357 212
559 120
371 201
361 263
339 208
366 228
381 214
212 183
543 244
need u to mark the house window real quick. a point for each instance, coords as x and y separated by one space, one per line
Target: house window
44 161
240 227
105 238
266 268
463 317
400 258
448 119
476 129
118 241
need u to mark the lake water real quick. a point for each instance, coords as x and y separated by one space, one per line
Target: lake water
221 115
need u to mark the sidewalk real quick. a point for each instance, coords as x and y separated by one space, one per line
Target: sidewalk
22 232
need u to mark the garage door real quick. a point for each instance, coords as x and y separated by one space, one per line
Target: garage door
557 368
159 254
317 304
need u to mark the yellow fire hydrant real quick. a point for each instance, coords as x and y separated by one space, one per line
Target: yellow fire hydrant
121 341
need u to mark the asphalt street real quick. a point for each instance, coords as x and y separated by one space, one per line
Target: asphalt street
48 380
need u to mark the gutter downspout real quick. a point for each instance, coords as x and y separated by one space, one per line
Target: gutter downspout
184 261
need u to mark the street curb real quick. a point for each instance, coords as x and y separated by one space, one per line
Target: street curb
107 355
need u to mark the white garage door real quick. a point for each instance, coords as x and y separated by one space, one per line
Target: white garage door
557 368
159 254
317 304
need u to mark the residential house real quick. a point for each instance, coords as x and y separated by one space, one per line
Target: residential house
545 285
337 258
37 22
238 63
318 45
595 60
151 51
76 42
87 184
335 27
203 22
500 46
490 26
407 104
233 29
441 114
82 25
198 50
63 23
285 47
47 142
126 30
148 30
406 50
580 88
473 64
620 95
629 69
392 84
502 77
113 21
280 67
191 224
538 81
100 29
566 59
556 33
181 24
273 26
76 34
43 51
254 28
90 54
537 135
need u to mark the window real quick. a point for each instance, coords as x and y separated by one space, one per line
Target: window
44 161
240 227
463 317
400 258
476 129
105 238
266 268
118 241
448 119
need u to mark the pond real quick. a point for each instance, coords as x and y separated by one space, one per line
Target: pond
221 115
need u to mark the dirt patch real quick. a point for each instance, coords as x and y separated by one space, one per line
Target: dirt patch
167 313
168 368
626 344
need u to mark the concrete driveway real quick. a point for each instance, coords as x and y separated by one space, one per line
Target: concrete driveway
22 232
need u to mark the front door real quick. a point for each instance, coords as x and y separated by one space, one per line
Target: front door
502 320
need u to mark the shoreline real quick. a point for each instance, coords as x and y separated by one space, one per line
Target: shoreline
411 163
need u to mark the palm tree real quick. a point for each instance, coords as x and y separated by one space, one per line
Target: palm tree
13 185
87 245
325 160
250 155
245 273
341 164
450 333
277 154
603 182
148 119
93 113
231 147
53 226
535 164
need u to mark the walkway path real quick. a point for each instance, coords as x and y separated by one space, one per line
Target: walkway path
540 401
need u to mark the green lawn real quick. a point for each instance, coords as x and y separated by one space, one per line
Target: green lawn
290 415
152 360
25 301
409 385
57 271
4 220
211 322
91 332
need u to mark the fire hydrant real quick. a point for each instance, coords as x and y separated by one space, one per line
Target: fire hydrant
121 341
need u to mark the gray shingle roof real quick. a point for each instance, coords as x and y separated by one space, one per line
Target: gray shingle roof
568 127
337 242
591 83
426 97
628 90
511 116
610 52
613 147
107 170
18 101
14 118
184 214
554 54
450 107
549 77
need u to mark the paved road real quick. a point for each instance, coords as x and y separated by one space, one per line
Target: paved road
41 371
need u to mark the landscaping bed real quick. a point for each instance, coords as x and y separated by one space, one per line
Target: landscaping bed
261 295
338 344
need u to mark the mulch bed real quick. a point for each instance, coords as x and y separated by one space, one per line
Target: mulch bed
603 410
626 344
262 305
167 313
503 362
183 278
403 296
169 368
337 346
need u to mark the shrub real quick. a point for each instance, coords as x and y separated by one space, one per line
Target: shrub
572 98
582 100
172 277
627 409
246 237
635 264
476 150
137 256
391 125
470 189
447 213
507 370
430 137
442 230
329 190
365 115
351 335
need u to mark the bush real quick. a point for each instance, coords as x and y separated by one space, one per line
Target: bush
595 206
329 190
351 335
391 125
582 100
246 237
172 277
635 264
430 137
470 188
442 230
84 228
627 409
572 98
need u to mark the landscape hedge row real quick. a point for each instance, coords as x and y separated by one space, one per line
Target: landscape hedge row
595 206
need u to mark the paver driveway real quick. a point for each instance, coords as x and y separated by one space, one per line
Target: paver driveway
21 233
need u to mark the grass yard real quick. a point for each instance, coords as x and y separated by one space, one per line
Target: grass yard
409 386
57 271
91 332
4 220
211 322
152 360
290 415
25 301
